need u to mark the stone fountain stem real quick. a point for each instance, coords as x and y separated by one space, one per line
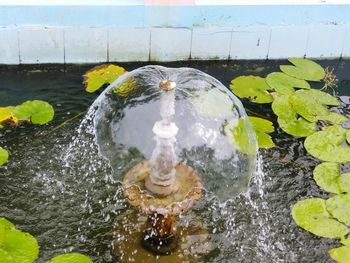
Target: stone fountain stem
164 159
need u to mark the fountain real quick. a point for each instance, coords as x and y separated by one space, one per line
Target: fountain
180 130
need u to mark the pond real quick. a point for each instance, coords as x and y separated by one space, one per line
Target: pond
57 187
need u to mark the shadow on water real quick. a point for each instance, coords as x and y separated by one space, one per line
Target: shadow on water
59 189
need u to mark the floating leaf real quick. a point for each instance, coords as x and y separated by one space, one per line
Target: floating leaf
4 156
327 176
16 246
6 115
288 118
328 145
251 87
334 118
340 254
238 131
285 84
71 258
6 224
101 75
261 127
304 69
126 88
213 104
311 215
311 104
346 241
339 207
348 136
36 111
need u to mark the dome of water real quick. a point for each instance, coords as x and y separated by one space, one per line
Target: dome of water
213 135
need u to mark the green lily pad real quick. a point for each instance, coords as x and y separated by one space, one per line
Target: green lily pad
340 254
304 69
4 156
285 84
253 88
36 111
348 136
312 215
16 246
238 132
213 104
6 224
328 145
288 119
346 241
261 128
333 118
311 104
339 207
101 75
327 176
71 258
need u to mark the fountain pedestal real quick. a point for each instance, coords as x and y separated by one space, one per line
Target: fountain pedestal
160 234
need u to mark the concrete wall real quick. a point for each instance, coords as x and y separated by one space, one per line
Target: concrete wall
156 30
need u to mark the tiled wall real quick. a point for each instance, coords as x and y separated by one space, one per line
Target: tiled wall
26 45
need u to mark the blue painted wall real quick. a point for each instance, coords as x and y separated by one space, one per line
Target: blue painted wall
174 16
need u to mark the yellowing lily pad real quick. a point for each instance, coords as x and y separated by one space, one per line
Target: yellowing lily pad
339 207
237 130
71 258
101 75
288 119
304 69
285 84
6 115
36 112
312 215
4 156
253 88
328 145
327 176
261 128
126 88
340 254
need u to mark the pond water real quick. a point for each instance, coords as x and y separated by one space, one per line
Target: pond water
60 190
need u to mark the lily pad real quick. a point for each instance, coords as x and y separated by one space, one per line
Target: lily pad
253 88
311 104
36 111
340 254
339 207
101 75
71 258
285 84
327 176
261 128
237 130
304 69
346 241
288 119
312 215
213 104
348 136
126 88
328 145
4 156
6 115
16 246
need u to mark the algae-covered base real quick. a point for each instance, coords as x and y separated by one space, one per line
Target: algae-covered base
190 190
192 241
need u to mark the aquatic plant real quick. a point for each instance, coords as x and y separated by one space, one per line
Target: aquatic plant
31 112
97 77
21 247
300 109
